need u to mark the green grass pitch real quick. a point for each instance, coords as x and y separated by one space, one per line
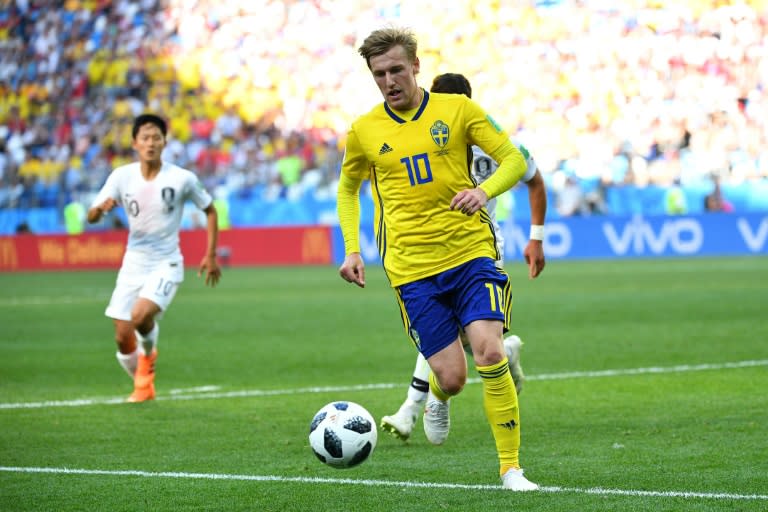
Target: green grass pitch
646 391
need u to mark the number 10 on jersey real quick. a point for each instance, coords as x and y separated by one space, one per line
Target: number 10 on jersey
419 170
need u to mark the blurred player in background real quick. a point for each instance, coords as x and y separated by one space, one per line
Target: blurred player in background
482 167
435 237
153 193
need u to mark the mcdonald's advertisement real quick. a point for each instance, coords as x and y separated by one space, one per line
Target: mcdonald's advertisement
295 245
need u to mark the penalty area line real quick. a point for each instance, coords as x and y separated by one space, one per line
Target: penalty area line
378 483
202 392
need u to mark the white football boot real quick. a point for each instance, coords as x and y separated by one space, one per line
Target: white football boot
437 419
514 480
401 423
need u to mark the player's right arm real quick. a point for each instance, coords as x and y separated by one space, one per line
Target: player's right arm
354 169
105 201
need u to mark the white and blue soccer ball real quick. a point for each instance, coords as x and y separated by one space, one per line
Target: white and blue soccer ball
342 434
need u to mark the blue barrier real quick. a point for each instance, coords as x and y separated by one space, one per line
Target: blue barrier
42 221
602 237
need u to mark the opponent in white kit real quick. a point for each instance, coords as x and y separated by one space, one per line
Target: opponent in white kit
153 193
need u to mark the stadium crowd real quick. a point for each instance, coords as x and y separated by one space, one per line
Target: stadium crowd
259 94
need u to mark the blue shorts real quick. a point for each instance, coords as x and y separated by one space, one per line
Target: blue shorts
434 308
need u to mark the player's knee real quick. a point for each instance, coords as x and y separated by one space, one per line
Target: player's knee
142 320
452 383
143 315
489 355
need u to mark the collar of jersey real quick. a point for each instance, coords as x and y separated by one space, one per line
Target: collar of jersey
415 117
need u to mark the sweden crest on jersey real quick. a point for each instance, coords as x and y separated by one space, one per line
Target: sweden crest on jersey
440 133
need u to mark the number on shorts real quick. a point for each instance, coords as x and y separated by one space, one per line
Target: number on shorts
497 296
164 287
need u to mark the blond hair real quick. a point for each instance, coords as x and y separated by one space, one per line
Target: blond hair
382 40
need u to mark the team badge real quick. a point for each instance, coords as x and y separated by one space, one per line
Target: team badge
167 193
440 133
415 337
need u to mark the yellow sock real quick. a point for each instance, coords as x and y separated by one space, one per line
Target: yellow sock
501 409
434 387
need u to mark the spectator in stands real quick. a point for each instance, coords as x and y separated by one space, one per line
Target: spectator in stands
675 202
229 124
74 217
570 200
714 201
23 227
595 199
4 161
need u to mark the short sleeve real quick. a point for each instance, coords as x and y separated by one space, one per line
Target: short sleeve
110 189
197 192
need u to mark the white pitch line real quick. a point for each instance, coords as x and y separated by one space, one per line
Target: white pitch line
367 387
653 369
198 389
381 483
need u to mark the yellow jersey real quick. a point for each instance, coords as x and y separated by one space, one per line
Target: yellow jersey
417 162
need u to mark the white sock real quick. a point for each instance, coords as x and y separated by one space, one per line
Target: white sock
417 391
148 342
129 361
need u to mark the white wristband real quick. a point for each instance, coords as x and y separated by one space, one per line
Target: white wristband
537 232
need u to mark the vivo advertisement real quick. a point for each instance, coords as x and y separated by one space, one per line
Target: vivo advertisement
599 237
574 238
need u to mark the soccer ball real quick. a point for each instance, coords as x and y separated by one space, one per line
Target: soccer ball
342 434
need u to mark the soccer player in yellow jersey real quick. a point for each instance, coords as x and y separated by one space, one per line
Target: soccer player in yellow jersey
435 237
400 424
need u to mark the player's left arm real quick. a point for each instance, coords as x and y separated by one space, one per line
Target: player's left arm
209 266
483 131
511 169
534 250
196 191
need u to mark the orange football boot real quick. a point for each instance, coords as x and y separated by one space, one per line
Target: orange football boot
144 380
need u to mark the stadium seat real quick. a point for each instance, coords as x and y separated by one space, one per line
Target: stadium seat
757 196
738 196
616 200
650 200
45 221
50 195
10 219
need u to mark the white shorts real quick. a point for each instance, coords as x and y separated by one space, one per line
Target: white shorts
155 281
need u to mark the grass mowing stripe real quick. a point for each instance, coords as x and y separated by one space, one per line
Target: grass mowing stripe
379 483
179 395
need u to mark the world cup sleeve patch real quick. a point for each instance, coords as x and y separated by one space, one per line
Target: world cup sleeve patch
493 122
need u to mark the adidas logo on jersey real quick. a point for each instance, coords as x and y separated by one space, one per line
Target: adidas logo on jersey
385 148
